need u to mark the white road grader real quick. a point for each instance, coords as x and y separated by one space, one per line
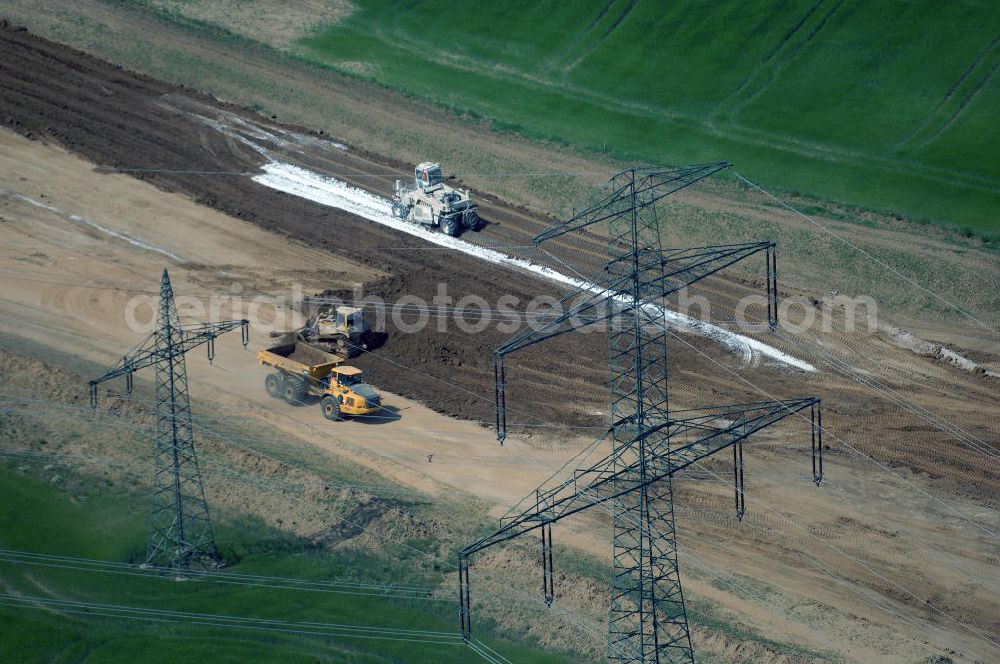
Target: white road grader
430 202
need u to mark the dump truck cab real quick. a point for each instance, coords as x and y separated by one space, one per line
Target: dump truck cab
353 396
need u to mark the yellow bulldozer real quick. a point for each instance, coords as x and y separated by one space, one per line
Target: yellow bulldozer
338 329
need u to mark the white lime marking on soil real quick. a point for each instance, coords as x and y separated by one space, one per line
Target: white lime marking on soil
96 226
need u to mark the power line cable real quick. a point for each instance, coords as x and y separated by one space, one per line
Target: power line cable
234 622
868 255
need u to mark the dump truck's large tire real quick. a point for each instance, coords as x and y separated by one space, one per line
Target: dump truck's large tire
331 409
274 383
450 226
295 391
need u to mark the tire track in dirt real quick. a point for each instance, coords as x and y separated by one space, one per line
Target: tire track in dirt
720 108
770 73
923 124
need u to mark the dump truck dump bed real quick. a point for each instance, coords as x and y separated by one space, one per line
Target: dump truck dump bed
300 358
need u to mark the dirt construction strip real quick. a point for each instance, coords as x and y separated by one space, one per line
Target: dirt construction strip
107 115
124 121
66 283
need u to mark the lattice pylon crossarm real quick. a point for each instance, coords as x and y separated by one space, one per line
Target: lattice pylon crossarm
653 186
661 273
702 435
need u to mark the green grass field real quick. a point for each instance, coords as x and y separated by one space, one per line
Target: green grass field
104 524
887 105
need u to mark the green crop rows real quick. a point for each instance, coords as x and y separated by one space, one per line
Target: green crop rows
887 105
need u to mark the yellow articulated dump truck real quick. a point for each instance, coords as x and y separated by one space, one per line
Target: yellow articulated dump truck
302 370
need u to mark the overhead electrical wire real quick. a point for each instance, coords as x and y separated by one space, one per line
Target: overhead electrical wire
236 622
224 577
866 254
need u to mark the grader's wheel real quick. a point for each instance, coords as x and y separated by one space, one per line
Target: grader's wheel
400 210
470 219
450 226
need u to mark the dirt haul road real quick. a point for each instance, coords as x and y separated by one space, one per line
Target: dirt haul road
119 120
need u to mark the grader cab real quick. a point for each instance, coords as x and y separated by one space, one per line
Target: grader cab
432 203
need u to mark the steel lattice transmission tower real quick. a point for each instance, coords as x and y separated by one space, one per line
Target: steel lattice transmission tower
180 530
647 618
